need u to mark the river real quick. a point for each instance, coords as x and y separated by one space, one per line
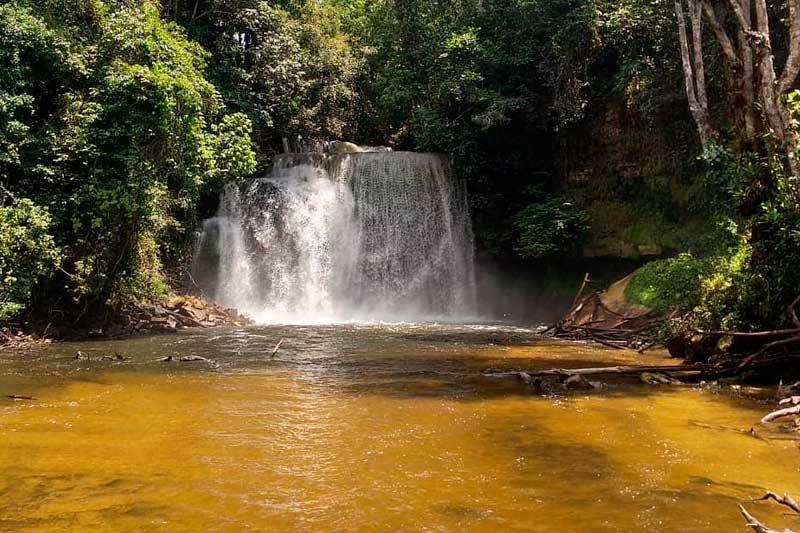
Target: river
369 428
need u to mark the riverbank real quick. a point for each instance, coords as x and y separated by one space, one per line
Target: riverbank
159 316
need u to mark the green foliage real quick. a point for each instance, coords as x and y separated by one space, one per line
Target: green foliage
27 253
287 65
668 284
548 228
112 127
230 142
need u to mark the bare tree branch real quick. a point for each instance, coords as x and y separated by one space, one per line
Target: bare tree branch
738 10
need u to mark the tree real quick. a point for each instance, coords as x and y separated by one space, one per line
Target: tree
287 64
112 129
757 95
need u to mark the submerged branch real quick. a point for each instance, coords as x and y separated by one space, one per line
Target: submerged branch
758 526
786 500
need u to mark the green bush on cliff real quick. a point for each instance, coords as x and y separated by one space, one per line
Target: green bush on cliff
668 284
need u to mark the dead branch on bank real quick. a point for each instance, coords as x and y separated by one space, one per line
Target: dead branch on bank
605 317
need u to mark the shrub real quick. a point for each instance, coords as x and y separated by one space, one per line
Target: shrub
668 284
27 252
547 228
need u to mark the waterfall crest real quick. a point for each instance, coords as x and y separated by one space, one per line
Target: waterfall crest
342 237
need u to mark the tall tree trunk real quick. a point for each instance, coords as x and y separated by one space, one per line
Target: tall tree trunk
746 79
792 67
738 59
776 112
694 74
696 17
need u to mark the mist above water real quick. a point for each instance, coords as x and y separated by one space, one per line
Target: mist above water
376 236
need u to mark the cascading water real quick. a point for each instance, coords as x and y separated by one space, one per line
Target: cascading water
341 237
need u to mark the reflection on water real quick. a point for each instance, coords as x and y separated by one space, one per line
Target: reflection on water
368 428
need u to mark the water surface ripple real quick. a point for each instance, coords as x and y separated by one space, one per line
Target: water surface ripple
369 428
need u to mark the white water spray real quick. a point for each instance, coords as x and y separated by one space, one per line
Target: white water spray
343 237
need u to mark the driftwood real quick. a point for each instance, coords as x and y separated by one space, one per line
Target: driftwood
794 402
786 500
277 347
760 527
604 318
615 370
776 347
749 334
586 279
193 359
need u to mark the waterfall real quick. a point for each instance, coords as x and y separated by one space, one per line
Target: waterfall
340 237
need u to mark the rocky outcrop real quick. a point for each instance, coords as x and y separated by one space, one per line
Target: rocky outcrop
173 314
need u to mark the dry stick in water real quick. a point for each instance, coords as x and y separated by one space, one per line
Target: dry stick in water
786 500
759 527
277 347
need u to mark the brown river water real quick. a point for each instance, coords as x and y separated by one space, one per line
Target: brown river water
370 428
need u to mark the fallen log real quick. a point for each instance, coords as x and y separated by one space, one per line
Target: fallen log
608 370
609 344
749 334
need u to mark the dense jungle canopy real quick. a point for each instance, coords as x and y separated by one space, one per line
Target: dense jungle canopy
579 125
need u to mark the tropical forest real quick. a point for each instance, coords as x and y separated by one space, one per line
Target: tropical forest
422 265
